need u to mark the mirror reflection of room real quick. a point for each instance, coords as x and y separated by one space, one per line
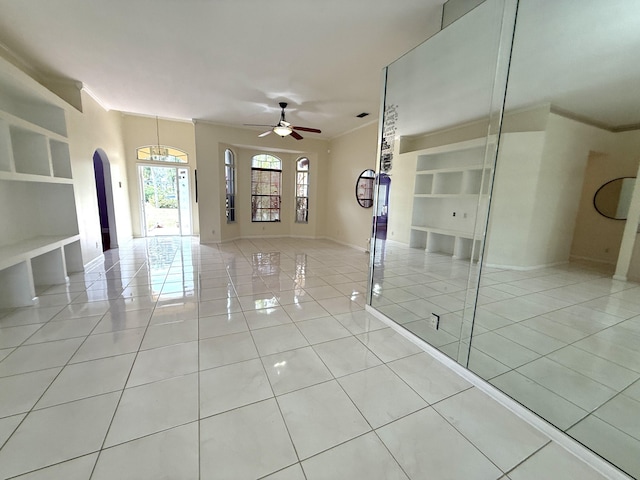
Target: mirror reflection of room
546 306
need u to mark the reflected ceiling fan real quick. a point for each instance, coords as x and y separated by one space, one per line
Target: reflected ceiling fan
284 128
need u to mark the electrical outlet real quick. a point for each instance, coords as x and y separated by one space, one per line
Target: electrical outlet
435 321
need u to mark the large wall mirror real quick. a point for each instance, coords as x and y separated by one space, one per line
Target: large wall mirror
613 199
531 306
364 188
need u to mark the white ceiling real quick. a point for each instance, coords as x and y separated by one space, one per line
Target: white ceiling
225 61
580 57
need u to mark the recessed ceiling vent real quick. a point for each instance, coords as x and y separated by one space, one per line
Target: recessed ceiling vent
362 115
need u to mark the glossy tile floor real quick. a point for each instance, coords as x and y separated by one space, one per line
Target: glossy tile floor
564 341
252 359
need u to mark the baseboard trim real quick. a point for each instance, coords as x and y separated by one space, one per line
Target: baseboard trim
94 262
525 269
558 436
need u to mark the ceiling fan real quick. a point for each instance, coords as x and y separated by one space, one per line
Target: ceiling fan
284 128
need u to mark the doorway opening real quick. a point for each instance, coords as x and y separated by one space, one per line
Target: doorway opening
104 193
164 194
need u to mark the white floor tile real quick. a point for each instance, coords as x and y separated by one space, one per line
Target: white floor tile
578 389
165 362
320 417
86 379
553 458
113 321
388 345
305 311
57 434
19 393
603 371
363 457
295 369
218 351
77 469
267 317
8 425
359 322
503 349
14 336
293 472
109 344
232 386
443 453
76 327
222 325
154 407
550 406
380 395
171 454
30 358
499 434
622 412
170 334
428 377
278 339
249 442
346 355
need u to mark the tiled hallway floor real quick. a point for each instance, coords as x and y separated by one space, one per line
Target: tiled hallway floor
252 359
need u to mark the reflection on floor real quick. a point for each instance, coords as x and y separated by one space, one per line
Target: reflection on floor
563 341
253 359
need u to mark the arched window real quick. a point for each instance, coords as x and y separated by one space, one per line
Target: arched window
230 180
161 153
302 190
266 176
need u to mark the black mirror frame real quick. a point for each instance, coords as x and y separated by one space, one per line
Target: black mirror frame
595 195
369 201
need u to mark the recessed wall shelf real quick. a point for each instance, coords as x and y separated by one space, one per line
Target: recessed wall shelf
451 187
40 241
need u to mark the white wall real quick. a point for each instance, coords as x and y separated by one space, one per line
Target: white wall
346 221
403 175
613 155
211 142
92 129
141 131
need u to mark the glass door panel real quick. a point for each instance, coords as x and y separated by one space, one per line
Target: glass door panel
165 200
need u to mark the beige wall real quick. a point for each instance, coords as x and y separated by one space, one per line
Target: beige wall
346 221
613 155
141 131
212 141
88 131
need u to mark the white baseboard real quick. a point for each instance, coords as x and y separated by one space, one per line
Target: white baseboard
94 263
558 436
524 269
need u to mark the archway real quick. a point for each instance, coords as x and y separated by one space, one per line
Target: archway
104 192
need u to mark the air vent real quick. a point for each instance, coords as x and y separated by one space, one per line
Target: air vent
362 115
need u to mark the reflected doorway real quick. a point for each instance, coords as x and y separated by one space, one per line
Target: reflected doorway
164 194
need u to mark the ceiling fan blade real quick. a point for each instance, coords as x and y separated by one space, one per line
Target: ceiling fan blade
307 129
256 125
296 135
264 134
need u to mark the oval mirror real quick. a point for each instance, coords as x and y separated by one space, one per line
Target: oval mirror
364 188
612 199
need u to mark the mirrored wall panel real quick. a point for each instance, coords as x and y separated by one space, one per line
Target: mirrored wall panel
553 329
433 181
508 205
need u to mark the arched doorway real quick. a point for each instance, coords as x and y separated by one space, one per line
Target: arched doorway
104 192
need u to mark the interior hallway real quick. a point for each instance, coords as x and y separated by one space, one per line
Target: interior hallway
251 359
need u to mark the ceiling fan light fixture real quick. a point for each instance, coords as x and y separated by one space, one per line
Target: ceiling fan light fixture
282 130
